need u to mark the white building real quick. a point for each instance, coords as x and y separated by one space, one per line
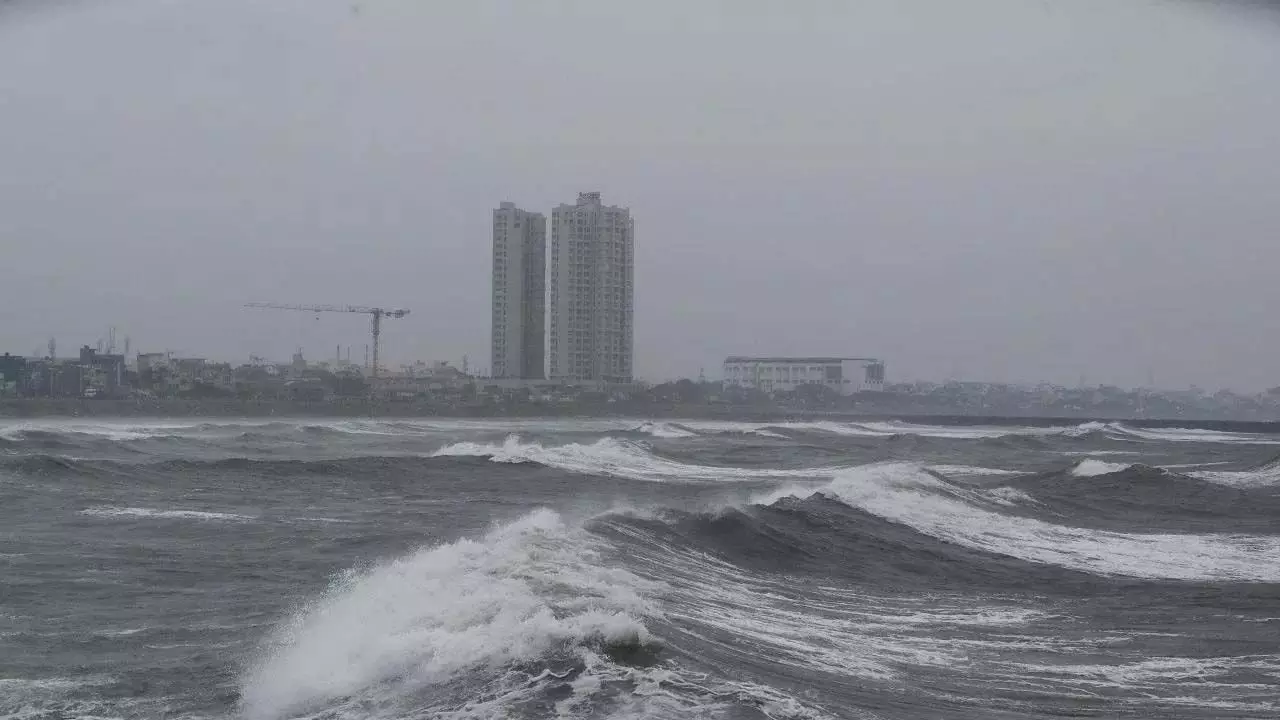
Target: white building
519 293
592 292
784 374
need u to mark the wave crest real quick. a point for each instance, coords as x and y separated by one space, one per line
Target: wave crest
523 592
909 495
613 457
1091 467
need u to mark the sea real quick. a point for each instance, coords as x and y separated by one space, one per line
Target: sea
586 568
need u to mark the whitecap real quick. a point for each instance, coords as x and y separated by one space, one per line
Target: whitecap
107 511
909 495
1093 468
610 456
522 591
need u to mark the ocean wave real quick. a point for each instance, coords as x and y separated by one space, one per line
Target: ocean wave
664 430
728 427
770 620
534 591
1243 479
970 470
1090 467
1186 682
721 602
907 494
107 511
613 457
1144 498
1122 431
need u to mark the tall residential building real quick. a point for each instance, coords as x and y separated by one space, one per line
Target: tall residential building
592 291
519 293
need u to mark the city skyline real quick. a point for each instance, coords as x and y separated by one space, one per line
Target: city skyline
991 190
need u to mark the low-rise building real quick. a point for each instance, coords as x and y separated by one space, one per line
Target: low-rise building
845 376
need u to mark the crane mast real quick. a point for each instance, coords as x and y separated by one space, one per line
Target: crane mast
375 313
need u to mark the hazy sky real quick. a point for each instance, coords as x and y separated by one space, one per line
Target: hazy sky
991 189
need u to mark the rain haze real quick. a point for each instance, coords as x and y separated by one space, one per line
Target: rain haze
992 190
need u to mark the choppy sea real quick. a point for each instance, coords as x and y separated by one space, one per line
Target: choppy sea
633 569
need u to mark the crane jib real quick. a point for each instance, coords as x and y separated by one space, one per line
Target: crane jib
376 314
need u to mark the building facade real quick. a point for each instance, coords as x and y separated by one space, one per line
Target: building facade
592 291
846 376
518 347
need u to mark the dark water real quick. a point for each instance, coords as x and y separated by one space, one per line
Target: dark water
617 569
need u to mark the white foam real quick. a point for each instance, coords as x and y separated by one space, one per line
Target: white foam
610 456
1122 431
107 511
1084 429
1165 680
728 427
667 431
843 631
1009 496
126 632
959 432
1262 477
794 489
1093 468
522 591
970 470
908 495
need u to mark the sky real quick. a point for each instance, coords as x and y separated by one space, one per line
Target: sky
996 190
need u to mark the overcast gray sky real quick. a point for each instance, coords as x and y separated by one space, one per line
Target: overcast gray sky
1013 190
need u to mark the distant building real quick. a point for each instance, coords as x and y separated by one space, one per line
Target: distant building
101 374
519 292
846 376
148 362
13 370
592 292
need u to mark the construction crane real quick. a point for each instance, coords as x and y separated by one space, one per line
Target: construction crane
375 313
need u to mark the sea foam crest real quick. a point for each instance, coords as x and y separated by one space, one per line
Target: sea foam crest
611 456
666 431
1090 467
907 494
519 593
1264 476
108 511
1127 432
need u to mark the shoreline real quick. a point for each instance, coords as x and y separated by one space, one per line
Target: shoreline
37 408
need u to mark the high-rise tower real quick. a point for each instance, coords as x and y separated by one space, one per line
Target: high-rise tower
519 293
592 292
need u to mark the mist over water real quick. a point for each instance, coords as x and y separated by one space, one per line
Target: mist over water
624 568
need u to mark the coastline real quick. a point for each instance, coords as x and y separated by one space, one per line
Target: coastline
37 408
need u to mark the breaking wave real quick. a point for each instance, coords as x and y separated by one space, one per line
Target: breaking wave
1264 475
525 591
911 496
1093 468
1123 431
613 457
529 616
